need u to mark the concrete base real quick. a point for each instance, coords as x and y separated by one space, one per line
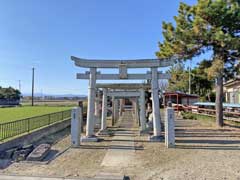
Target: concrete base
97 126
105 132
149 125
144 132
89 139
156 138
110 176
170 146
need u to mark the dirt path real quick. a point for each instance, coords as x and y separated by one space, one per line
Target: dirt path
202 152
122 148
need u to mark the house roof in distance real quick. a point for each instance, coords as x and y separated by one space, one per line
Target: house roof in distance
179 93
232 82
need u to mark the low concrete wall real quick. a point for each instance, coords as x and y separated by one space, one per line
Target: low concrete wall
35 136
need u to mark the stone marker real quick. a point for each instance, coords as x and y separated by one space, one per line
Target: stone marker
76 118
169 127
39 153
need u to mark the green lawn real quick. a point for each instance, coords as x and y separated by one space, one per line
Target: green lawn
16 113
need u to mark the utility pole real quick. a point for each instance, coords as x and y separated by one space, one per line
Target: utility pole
33 69
19 85
189 83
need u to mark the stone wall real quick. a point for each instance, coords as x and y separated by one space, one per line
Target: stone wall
35 136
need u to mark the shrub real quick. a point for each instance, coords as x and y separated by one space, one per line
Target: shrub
189 115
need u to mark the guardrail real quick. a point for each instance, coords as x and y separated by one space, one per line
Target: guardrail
228 115
15 128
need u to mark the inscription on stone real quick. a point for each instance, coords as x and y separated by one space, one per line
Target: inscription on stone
122 71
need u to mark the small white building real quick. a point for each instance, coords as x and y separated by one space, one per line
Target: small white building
232 91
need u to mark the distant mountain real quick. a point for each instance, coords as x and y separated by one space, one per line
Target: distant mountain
54 95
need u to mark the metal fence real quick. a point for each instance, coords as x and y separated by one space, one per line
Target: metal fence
11 129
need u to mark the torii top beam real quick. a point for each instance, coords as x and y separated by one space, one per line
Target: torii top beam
124 86
139 63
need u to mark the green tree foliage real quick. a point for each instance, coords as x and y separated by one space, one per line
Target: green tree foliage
209 25
9 93
200 84
178 80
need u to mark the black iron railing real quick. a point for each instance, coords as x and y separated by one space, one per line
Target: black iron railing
15 128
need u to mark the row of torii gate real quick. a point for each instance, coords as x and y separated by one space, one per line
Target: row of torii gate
134 91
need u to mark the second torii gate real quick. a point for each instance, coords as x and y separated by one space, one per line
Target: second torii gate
125 90
123 66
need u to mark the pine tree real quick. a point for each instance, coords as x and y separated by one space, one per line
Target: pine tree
210 25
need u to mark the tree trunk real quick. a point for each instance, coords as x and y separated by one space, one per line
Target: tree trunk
219 100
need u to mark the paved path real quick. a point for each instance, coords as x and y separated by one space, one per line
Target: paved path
122 149
12 177
120 154
103 176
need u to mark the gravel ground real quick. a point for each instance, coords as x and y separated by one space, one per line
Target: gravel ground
202 152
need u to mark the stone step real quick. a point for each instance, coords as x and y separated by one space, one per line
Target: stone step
109 176
101 176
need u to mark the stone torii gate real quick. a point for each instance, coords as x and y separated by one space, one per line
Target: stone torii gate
123 74
124 90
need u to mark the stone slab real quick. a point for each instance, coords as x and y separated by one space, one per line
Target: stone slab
144 132
105 133
118 158
39 153
109 176
104 176
16 177
121 152
89 139
156 138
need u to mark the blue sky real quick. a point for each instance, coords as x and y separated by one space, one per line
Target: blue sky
45 33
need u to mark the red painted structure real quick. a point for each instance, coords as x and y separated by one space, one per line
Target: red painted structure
179 100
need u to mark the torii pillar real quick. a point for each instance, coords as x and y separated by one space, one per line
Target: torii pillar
156 108
90 136
142 111
122 103
104 110
97 110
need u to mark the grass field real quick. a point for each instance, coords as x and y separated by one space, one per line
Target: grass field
16 113
54 103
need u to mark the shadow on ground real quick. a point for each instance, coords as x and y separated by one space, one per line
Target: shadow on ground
209 139
111 147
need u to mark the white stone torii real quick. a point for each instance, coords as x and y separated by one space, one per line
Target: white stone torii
123 65
123 90
120 94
